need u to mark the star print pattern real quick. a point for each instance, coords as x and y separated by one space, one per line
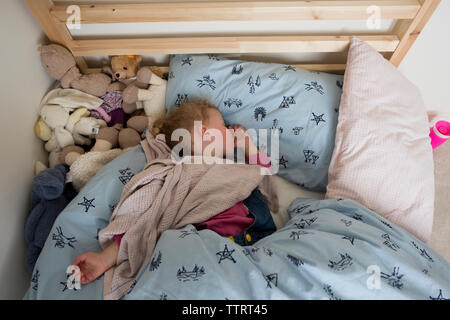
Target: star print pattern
87 204
283 162
226 255
318 119
187 61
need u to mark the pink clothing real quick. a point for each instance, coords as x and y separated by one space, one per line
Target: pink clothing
234 220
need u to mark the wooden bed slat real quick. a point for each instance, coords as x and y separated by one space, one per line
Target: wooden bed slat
332 68
409 30
253 44
237 11
411 16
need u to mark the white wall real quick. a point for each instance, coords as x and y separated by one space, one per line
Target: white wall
23 83
427 64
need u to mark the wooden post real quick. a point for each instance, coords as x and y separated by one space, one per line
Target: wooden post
409 30
56 33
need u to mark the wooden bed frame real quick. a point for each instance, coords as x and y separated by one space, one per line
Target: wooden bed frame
410 15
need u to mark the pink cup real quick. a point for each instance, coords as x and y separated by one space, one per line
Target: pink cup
439 133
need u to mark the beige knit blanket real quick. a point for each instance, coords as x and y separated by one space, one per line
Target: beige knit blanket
168 195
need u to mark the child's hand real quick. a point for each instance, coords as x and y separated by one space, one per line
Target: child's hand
241 133
92 265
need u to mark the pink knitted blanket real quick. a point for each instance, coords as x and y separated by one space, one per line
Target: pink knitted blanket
168 195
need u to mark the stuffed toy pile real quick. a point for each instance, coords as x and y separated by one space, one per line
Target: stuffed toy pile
86 122
90 119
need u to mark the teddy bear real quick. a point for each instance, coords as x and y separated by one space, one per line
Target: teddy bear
109 138
146 88
60 64
152 99
66 128
111 142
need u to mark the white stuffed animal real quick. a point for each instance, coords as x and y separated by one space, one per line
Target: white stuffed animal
152 99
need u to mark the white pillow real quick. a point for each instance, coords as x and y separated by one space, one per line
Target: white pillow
383 156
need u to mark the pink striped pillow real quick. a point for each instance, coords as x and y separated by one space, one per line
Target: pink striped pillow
383 157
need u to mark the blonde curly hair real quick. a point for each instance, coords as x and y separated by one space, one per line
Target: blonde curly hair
182 117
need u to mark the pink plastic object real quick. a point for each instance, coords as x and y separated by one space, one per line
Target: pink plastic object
439 133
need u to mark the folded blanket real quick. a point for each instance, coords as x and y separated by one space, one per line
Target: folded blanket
169 195
71 99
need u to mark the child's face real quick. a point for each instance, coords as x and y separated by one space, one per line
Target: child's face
216 122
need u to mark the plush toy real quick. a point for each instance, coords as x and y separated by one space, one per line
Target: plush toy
123 68
85 129
60 65
42 130
107 138
49 196
87 165
113 137
111 110
57 118
66 128
70 154
152 98
138 95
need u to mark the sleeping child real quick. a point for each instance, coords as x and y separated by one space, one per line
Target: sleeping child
244 223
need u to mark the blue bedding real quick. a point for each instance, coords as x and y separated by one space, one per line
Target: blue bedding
301 105
330 249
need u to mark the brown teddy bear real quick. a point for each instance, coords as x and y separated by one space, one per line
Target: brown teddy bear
60 65
125 69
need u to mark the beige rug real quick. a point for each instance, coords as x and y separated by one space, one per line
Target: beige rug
440 238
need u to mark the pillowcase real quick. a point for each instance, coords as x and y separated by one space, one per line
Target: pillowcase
383 156
301 105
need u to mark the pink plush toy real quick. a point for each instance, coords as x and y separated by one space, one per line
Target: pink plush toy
439 133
